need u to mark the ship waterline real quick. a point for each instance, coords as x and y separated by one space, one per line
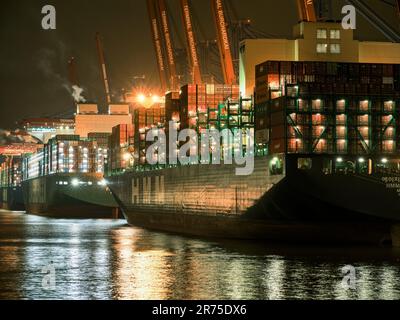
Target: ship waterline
69 196
212 201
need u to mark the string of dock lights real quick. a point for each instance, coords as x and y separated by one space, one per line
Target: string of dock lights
361 160
75 182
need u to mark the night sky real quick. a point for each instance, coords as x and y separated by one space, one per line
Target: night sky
33 61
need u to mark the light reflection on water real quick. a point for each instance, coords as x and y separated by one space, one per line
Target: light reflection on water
99 259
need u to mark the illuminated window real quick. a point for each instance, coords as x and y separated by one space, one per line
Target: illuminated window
322 48
317 105
389 106
389 133
304 163
341 105
341 146
321 146
317 131
386 120
322 34
364 105
341 132
388 146
276 166
363 120
303 104
335 34
364 132
335 48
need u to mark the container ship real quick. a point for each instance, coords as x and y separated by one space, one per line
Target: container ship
17 144
323 107
11 197
65 179
326 164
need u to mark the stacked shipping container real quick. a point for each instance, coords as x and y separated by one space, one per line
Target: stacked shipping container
10 172
66 154
101 138
334 108
198 101
146 119
196 107
121 141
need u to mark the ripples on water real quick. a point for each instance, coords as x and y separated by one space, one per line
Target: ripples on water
99 259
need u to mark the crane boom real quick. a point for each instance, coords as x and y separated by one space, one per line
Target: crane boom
223 42
72 76
155 29
378 22
307 10
103 68
398 7
191 43
162 9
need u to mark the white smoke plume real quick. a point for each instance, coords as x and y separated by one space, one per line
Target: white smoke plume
47 63
77 94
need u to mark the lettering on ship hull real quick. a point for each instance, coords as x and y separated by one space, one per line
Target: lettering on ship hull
148 190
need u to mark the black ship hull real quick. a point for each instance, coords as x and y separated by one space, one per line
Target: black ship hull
294 206
69 196
11 198
264 230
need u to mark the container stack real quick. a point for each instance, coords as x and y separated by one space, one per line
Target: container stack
199 102
197 107
327 108
146 119
101 138
120 142
325 78
10 172
66 154
172 106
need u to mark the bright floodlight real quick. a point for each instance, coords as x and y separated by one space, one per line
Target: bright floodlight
75 182
141 98
127 156
384 160
340 160
274 161
102 182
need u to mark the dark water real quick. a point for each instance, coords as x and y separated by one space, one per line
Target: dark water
109 260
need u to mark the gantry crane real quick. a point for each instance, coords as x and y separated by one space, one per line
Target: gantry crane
307 10
228 69
103 68
72 75
163 15
155 29
372 17
191 43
